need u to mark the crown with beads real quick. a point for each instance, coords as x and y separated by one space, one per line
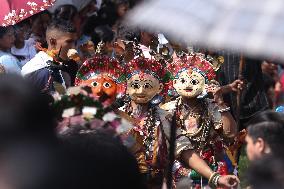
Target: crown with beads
148 66
206 66
101 65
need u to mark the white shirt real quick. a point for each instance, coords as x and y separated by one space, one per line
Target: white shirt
28 51
10 63
36 63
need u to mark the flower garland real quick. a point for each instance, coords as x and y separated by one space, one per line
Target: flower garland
81 109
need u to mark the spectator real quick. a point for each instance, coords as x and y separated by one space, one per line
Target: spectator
39 23
265 135
23 49
253 98
61 37
95 149
266 173
269 88
69 13
7 60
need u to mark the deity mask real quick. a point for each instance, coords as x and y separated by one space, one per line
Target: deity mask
192 75
102 85
142 88
189 84
105 76
146 79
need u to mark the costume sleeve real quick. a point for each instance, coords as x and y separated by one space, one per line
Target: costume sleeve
182 142
215 115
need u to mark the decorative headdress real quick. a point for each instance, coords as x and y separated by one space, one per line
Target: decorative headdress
149 66
206 66
101 65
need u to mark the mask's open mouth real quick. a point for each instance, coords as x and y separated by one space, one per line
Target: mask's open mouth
140 96
188 90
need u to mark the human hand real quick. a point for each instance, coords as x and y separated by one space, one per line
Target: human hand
217 93
228 181
235 86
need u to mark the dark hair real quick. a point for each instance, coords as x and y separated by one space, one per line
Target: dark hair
108 12
266 116
269 126
65 12
3 30
103 158
268 82
35 16
61 25
23 110
266 172
102 33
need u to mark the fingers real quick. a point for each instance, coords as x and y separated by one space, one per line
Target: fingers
233 180
230 181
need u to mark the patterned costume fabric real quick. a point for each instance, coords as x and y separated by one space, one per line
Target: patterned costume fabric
152 158
200 122
204 130
151 129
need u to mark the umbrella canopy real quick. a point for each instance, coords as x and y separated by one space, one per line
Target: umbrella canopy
14 11
254 27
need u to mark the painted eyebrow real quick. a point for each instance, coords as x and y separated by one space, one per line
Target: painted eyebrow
135 81
148 81
149 84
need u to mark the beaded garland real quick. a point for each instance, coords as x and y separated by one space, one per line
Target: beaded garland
101 65
200 137
149 133
203 142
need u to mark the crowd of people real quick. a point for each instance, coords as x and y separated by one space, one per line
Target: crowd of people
88 101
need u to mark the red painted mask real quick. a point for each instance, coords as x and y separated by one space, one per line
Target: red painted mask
102 85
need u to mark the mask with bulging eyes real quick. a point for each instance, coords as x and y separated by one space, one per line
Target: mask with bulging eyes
142 88
102 85
189 84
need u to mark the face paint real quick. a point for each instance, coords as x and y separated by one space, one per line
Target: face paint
189 84
143 87
102 85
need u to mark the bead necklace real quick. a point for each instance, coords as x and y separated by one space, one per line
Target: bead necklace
199 138
148 130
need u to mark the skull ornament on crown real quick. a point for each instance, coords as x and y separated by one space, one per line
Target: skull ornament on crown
105 76
146 79
192 75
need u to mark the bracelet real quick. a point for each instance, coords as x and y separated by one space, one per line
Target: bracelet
224 110
213 180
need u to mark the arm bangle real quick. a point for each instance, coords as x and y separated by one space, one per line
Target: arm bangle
213 180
